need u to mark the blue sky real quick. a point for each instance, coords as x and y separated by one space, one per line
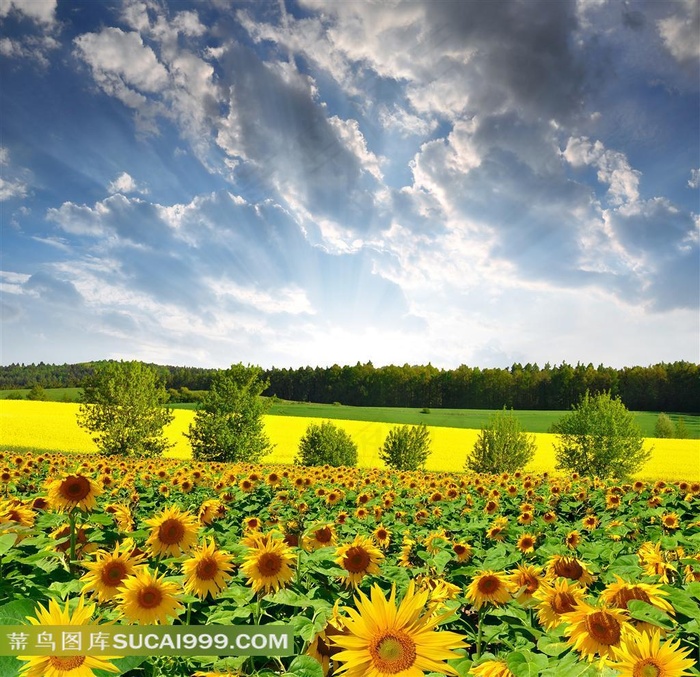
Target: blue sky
306 182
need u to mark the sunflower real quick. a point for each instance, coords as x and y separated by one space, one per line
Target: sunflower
173 532
207 571
108 572
495 668
642 655
526 581
408 557
618 594
122 516
321 648
569 567
211 510
555 599
670 521
573 540
381 639
359 558
463 551
489 587
73 491
64 666
268 565
383 536
526 543
590 522
320 537
595 631
148 599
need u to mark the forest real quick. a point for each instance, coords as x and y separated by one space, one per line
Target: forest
669 387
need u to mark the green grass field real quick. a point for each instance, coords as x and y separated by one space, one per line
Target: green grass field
531 421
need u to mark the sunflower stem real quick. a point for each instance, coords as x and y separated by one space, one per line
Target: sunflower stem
479 633
189 613
71 520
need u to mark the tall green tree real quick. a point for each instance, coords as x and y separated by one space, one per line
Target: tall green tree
501 446
600 438
406 447
122 408
228 424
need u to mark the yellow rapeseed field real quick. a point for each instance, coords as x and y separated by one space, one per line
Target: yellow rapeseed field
52 426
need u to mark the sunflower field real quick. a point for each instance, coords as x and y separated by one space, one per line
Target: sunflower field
377 573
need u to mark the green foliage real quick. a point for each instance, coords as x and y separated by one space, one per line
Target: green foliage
228 425
37 393
122 409
326 444
406 447
664 426
681 430
14 395
501 446
599 438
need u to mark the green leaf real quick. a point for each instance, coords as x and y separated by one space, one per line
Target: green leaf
683 603
550 646
124 664
641 611
6 542
526 663
305 666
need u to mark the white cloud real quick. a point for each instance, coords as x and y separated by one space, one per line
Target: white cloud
120 58
350 134
125 183
291 300
42 11
680 31
694 180
613 168
13 183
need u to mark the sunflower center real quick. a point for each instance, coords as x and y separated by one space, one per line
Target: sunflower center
66 663
381 534
323 535
269 564
113 573
150 597
459 549
603 628
488 585
75 488
647 668
393 653
530 582
568 569
207 568
171 531
627 594
526 543
356 560
563 602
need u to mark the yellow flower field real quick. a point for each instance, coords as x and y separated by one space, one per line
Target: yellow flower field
52 426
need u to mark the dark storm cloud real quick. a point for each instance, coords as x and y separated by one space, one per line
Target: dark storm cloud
525 54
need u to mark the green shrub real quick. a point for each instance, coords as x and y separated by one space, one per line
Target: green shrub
326 444
37 393
599 438
681 430
406 447
501 446
664 426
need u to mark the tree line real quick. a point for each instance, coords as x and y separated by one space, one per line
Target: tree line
122 409
672 386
